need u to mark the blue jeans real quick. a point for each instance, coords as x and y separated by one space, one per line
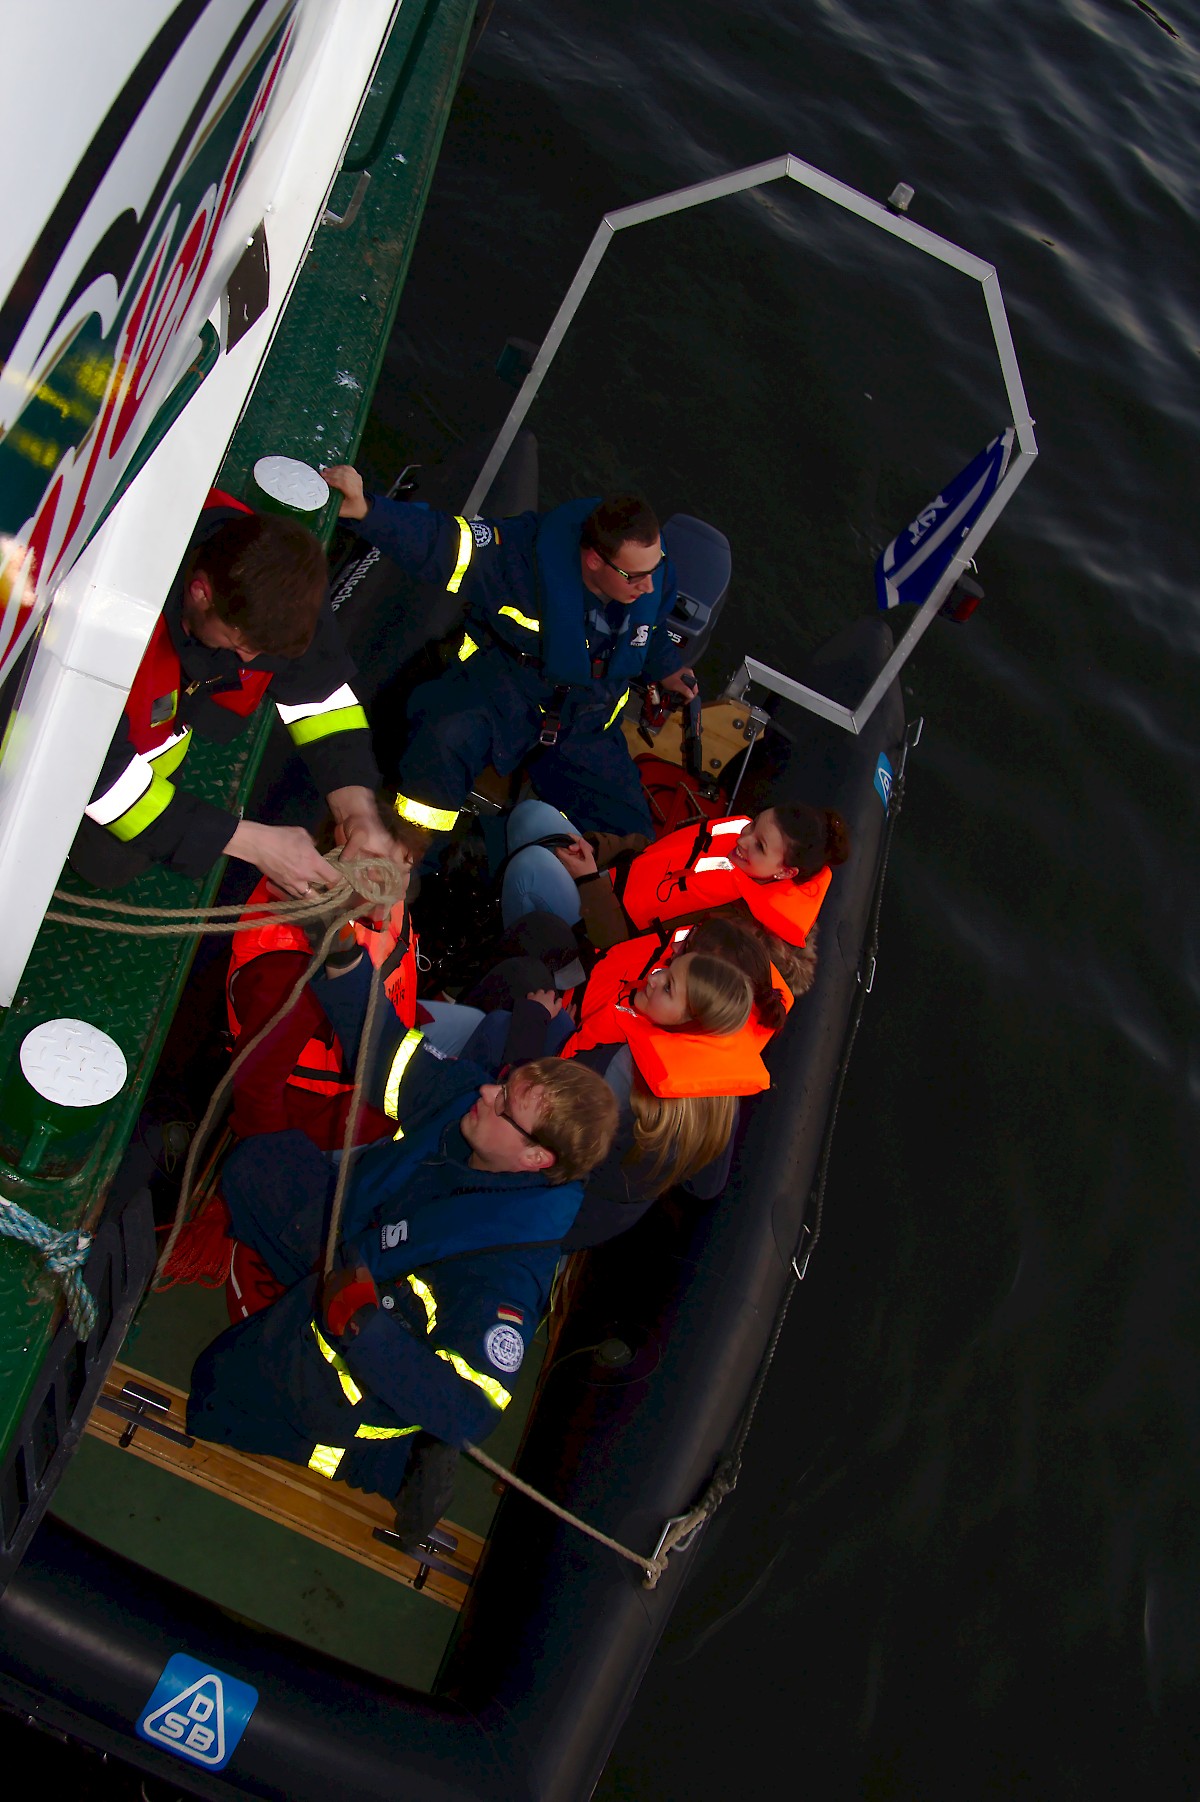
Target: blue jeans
534 879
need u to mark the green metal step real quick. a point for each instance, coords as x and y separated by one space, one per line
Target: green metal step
311 402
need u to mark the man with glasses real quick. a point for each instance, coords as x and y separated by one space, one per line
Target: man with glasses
563 610
449 1240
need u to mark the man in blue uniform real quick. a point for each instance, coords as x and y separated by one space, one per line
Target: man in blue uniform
449 1242
564 610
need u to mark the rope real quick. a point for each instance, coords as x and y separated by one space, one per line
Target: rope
64 1255
375 878
652 1567
870 948
213 1110
352 1114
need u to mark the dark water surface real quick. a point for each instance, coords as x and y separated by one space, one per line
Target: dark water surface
964 1560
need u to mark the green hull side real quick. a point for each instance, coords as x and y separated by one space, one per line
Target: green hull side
311 402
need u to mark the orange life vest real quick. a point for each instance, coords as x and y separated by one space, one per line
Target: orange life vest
321 1065
691 871
759 1034
153 702
671 1061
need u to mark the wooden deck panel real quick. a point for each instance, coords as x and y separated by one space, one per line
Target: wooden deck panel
335 1516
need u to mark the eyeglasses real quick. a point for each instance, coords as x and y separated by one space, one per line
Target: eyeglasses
501 1106
632 575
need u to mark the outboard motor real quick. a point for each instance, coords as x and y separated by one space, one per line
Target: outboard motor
702 562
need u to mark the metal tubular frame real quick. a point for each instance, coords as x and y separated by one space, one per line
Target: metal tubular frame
793 168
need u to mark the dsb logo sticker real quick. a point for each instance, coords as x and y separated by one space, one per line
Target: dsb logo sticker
884 777
197 1712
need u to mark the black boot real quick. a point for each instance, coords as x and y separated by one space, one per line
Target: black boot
427 1489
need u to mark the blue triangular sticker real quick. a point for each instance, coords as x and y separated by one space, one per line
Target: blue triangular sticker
196 1712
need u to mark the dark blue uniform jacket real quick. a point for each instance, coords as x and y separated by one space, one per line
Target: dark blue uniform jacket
463 1260
528 611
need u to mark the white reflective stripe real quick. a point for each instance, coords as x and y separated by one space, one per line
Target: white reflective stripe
129 787
723 826
168 744
341 697
683 933
711 863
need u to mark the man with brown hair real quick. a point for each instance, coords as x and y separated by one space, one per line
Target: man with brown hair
563 610
247 613
449 1241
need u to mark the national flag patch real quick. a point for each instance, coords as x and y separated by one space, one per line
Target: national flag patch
513 1314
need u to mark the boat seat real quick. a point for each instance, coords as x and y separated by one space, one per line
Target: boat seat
146 1418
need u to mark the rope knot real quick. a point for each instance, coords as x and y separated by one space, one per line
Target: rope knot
63 1254
379 880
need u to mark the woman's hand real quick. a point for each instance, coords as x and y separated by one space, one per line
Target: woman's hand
286 855
547 998
577 858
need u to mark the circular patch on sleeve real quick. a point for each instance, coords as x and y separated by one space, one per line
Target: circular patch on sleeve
504 1347
481 532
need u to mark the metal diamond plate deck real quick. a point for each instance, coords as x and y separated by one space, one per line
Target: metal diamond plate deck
312 403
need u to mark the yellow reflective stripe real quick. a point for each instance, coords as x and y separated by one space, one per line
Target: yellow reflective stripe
324 725
522 619
168 757
384 1432
326 1458
466 545
497 1395
467 648
616 710
434 819
424 1294
143 813
350 1388
400 1063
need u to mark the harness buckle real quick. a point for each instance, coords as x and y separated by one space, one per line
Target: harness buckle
549 732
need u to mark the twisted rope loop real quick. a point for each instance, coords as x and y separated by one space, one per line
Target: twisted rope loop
64 1255
375 880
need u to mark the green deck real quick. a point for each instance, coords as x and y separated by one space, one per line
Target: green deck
311 402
